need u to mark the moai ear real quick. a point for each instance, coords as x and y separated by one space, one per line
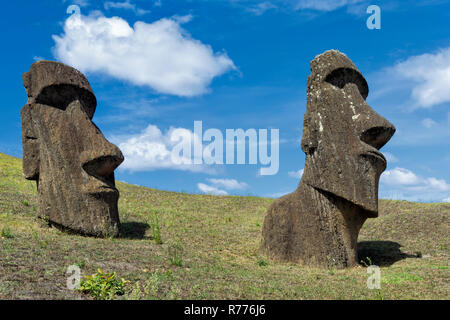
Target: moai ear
30 145
309 138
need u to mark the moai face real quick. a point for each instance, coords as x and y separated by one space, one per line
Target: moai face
65 152
342 133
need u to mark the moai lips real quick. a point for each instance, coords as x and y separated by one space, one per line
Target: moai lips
319 222
66 153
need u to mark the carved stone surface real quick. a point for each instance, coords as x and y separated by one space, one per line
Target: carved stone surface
318 224
65 152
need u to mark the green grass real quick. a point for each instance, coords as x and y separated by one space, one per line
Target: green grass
183 246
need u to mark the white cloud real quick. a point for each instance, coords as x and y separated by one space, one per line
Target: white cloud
437 184
219 184
430 74
400 176
261 7
210 189
446 199
400 183
152 150
390 157
278 194
127 5
228 184
296 174
324 5
161 55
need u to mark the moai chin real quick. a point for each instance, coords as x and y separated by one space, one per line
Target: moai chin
65 152
318 224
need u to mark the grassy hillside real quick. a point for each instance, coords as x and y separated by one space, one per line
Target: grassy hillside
209 250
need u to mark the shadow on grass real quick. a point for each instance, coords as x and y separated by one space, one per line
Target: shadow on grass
381 253
133 230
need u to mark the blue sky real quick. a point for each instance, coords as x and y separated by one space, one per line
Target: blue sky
160 65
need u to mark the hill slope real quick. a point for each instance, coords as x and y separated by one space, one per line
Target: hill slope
215 239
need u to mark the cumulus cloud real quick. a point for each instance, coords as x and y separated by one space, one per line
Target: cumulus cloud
400 176
446 199
296 174
430 74
210 189
401 183
160 55
152 149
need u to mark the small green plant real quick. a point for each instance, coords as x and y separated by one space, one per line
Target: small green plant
175 254
146 291
102 286
368 263
156 229
262 263
25 203
6 233
42 243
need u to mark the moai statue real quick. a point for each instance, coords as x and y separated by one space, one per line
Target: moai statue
65 152
318 224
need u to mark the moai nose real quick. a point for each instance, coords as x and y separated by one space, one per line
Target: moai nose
99 157
102 164
378 131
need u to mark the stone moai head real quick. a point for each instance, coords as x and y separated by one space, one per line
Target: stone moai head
65 152
342 133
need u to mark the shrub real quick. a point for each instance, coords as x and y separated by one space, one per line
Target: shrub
102 285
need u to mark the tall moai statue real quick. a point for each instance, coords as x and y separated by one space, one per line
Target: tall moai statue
318 224
66 153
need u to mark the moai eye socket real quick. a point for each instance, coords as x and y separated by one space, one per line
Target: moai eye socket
341 76
61 95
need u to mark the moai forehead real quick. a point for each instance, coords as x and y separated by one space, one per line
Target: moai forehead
336 68
56 84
